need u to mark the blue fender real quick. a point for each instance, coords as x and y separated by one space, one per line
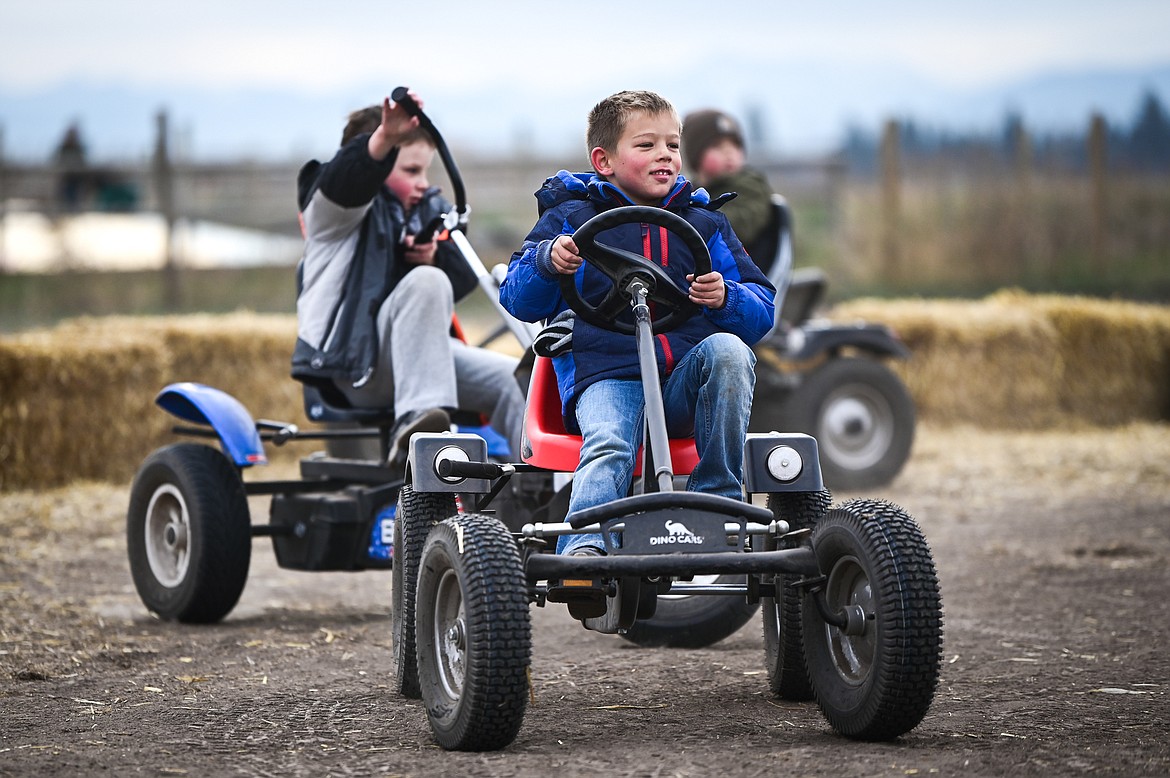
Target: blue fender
200 404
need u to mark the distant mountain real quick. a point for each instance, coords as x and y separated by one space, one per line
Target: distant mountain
790 108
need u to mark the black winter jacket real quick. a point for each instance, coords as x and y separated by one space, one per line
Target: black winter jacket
353 227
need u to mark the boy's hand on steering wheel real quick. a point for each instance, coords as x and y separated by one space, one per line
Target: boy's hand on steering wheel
564 255
708 289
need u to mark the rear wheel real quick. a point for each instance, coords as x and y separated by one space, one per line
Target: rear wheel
416 514
474 636
783 630
862 416
188 533
693 621
874 676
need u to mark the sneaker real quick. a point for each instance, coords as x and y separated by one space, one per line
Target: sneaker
430 420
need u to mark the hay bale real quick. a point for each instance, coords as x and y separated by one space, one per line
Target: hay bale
77 401
1014 360
1116 358
76 407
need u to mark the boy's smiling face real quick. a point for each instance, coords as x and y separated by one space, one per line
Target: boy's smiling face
645 161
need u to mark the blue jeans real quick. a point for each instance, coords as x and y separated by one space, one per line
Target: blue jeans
708 395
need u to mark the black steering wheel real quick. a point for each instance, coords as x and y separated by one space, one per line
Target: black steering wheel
671 301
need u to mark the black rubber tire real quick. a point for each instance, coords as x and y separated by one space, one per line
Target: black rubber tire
783 627
693 621
862 416
188 534
474 635
415 516
879 684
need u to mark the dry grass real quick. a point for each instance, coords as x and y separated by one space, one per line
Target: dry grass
77 401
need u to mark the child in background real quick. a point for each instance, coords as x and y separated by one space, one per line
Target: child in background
374 304
713 145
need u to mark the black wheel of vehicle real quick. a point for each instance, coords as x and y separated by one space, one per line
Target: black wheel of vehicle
188 534
416 514
693 620
874 678
474 636
862 416
783 628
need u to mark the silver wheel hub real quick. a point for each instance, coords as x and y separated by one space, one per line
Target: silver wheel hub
856 427
167 535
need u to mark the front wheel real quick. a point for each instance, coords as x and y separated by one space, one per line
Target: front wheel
783 623
474 636
862 416
188 534
874 674
417 512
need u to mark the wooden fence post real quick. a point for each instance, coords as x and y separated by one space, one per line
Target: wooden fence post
1030 257
164 187
3 204
891 200
1099 172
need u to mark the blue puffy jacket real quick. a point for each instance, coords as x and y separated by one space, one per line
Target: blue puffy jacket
531 290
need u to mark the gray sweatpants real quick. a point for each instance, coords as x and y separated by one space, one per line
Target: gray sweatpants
421 366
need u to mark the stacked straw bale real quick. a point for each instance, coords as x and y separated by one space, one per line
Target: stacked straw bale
77 401
1014 360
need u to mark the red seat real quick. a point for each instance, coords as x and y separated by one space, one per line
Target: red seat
555 449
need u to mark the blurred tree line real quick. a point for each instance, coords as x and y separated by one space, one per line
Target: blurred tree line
1142 147
935 212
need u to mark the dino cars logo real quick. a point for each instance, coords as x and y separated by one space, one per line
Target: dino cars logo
676 534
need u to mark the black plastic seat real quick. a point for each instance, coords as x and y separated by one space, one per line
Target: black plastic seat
326 403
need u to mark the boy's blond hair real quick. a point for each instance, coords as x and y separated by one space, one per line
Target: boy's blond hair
608 118
366 120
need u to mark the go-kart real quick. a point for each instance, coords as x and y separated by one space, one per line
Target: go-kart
851 606
829 379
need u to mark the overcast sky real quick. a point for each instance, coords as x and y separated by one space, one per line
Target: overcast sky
550 48
325 45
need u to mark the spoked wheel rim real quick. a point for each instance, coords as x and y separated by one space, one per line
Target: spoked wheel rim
168 535
450 635
857 426
852 650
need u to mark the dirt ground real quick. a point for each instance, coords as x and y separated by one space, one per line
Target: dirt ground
1053 551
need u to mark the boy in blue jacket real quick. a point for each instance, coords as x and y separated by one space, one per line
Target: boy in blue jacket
706 364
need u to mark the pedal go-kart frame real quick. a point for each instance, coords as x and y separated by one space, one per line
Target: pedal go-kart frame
852 612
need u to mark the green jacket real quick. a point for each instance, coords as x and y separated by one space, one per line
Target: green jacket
751 210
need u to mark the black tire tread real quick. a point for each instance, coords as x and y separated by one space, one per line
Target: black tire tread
495 694
801 411
784 634
221 534
910 611
693 622
417 512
